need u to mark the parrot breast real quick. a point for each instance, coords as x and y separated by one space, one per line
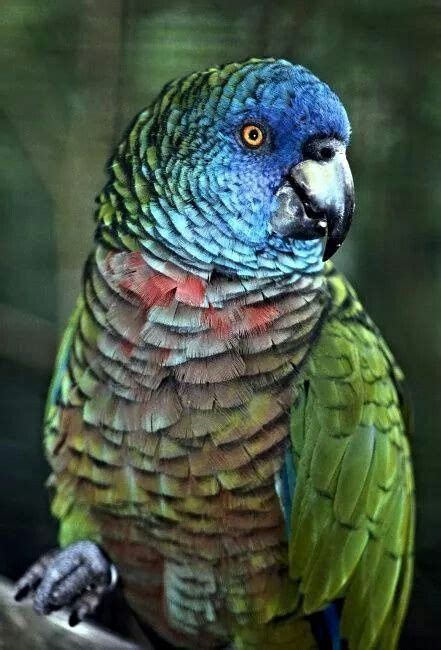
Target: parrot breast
176 424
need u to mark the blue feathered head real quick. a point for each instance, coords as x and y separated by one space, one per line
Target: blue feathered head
215 173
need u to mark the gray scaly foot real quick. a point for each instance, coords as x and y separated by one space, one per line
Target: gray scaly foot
76 577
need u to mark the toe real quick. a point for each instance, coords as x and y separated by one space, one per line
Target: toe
33 576
66 589
87 603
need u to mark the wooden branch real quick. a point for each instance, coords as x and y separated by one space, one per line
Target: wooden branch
21 628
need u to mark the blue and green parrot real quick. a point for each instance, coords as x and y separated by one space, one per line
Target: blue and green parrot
226 427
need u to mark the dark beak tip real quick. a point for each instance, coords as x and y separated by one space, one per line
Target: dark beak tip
332 246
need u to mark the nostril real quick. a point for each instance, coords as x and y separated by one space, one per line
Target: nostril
326 153
322 149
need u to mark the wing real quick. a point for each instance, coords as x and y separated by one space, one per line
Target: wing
352 517
61 372
62 401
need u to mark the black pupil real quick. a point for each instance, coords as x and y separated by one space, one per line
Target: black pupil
253 134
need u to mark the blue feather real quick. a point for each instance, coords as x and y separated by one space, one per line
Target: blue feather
327 625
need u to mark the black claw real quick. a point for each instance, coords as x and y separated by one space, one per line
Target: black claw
21 593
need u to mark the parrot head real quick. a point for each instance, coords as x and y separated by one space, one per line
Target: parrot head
247 169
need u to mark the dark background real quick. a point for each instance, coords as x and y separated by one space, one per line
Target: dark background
73 73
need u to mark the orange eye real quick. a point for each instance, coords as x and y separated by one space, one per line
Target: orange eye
252 136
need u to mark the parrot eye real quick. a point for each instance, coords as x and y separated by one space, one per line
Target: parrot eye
252 136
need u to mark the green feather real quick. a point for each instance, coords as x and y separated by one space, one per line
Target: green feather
352 517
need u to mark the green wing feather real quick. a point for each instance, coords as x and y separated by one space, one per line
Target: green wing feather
76 521
353 510
54 396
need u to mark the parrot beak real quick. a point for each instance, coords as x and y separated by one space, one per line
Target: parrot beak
317 197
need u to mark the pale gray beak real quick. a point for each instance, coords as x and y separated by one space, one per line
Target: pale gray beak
317 197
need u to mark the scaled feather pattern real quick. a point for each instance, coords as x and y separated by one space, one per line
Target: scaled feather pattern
225 420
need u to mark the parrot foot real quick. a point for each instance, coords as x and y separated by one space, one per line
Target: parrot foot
76 577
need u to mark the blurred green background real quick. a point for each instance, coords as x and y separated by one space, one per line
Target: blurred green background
73 74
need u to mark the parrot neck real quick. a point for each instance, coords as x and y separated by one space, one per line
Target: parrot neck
278 260
219 313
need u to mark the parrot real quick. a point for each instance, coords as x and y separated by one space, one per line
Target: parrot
227 430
